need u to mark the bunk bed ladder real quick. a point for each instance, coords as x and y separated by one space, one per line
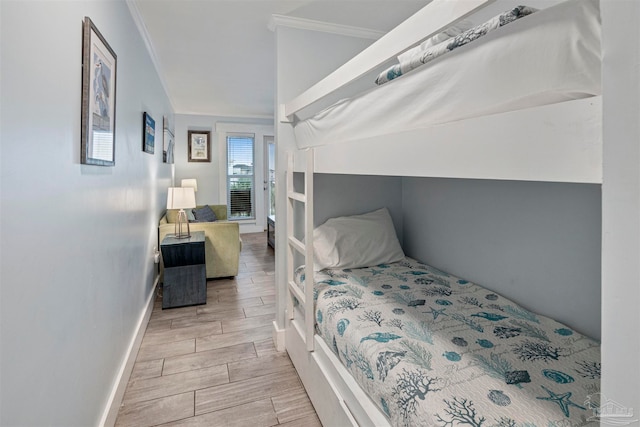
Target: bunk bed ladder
305 249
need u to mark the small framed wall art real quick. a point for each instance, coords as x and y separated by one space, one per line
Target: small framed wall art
148 133
98 120
168 142
199 146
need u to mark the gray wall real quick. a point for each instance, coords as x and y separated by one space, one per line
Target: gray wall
339 195
76 241
207 174
535 243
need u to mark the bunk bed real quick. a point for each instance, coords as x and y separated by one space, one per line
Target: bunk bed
555 121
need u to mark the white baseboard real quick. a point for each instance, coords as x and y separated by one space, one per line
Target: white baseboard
278 337
117 393
251 228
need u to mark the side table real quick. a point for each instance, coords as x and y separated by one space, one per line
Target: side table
185 281
271 231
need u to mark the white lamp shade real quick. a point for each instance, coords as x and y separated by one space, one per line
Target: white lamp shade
191 182
181 198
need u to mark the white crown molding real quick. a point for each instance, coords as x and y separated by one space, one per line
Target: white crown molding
142 29
324 27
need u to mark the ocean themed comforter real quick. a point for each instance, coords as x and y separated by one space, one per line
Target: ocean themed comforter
432 349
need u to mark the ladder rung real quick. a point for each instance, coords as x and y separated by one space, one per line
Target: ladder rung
297 196
295 290
297 244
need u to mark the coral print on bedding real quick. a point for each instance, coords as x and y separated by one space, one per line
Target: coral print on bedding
431 349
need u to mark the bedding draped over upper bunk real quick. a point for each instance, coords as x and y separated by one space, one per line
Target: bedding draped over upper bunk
547 57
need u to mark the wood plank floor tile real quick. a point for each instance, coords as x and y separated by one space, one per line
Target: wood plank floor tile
265 347
268 299
187 322
205 359
263 279
156 411
157 325
167 385
229 326
255 279
233 338
181 334
292 406
230 305
219 284
254 414
236 313
147 369
261 310
253 368
310 421
173 313
232 394
160 351
248 293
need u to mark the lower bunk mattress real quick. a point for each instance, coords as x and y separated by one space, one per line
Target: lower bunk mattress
435 350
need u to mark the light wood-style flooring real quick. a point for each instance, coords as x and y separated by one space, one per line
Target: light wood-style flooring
215 364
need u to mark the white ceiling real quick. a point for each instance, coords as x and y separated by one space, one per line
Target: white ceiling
217 57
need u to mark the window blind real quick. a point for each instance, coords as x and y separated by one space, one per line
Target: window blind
240 176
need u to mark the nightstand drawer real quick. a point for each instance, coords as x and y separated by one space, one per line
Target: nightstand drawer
184 286
185 275
178 255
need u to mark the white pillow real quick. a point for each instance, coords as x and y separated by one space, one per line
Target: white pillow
356 241
452 31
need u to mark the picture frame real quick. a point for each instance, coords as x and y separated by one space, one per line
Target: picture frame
168 142
148 133
98 112
199 143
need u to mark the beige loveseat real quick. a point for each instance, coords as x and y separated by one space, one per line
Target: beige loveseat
222 241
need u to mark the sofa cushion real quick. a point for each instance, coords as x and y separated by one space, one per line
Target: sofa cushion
204 214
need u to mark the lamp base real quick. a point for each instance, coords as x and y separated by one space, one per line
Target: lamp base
178 228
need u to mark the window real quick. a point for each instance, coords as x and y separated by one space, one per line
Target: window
240 174
271 177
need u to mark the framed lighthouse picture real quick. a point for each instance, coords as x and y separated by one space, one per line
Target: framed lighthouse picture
98 122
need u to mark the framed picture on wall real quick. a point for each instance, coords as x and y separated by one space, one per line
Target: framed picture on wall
199 146
98 120
148 133
168 143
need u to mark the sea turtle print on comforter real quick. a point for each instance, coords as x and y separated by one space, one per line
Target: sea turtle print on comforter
432 349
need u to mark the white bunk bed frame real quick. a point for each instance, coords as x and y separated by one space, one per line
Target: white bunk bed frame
565 137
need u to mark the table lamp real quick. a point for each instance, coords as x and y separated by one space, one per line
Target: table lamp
181 198
190 182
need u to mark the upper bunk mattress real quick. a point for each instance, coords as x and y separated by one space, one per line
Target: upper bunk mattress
550 56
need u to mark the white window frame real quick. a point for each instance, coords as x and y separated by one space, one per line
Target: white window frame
254 188
258 224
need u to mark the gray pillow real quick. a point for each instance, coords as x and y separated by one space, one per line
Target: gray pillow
204 214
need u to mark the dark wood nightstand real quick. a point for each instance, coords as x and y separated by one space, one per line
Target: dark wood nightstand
185 281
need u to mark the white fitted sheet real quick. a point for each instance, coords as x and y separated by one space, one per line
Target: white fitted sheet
550 56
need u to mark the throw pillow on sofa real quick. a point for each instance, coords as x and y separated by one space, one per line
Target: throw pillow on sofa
204 214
